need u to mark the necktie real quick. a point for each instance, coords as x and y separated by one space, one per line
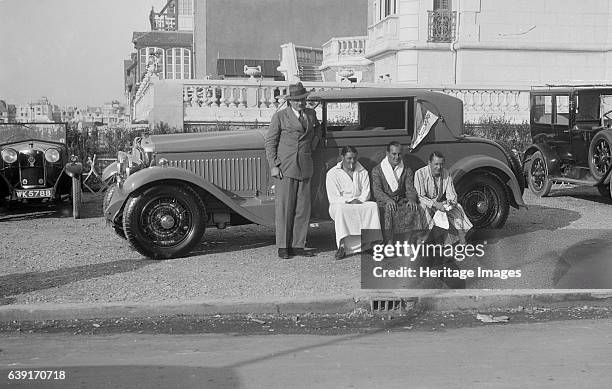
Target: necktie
303 120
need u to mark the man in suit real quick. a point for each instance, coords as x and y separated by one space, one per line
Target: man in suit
291 137
397 198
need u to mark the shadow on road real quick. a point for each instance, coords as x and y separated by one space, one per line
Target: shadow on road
538 218
20 283
587 193
138 376
585 265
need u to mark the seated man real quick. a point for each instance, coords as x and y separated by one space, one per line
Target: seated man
348 189
395 194
437 196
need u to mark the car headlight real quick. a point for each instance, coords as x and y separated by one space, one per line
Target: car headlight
52 155
9 155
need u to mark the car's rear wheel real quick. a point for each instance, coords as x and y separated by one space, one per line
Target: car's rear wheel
76 197
164 221
484 200
537 175
600 154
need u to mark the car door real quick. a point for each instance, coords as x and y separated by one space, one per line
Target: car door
561 125
541 121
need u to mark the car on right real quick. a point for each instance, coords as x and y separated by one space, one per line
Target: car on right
571 131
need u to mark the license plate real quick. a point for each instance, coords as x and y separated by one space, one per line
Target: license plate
33 193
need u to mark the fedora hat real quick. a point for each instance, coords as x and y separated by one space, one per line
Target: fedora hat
296 92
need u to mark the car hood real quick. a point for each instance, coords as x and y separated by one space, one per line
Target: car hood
205 141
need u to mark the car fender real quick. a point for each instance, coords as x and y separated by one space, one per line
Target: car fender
551 157
109 171
154 174
468 164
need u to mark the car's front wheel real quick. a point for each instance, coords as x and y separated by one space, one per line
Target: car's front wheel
484 200
164 221
537 175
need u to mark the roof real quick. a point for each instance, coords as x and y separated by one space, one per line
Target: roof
569 87
163 38
235 67
357 93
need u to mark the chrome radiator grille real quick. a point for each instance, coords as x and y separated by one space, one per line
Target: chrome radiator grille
233 174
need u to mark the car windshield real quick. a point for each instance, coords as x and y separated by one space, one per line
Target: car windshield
17 132
590 107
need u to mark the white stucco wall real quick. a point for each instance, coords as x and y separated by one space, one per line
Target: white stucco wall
500 42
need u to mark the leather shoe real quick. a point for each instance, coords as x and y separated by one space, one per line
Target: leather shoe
339 254
302 252
283 253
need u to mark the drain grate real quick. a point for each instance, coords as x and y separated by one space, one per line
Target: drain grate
388 305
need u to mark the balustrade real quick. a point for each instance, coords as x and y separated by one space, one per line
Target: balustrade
249 101
308 55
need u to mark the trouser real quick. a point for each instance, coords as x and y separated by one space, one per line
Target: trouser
292 212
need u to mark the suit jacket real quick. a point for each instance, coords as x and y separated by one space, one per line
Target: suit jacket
289 145
382 192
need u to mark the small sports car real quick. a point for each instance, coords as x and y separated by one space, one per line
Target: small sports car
35 166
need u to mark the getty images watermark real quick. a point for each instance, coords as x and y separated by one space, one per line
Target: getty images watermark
457 252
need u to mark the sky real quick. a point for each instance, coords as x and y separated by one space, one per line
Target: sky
70 51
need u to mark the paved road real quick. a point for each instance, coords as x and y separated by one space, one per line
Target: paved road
564 241
563 354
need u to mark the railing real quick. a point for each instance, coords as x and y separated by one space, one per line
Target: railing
337 49
309 55
254 102
441 26
164 22
479 102
238 101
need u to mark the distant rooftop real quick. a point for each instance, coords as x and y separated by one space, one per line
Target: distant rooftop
163 38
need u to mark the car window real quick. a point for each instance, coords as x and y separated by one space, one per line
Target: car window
14 132
343 116
587 107
562 105
386 114
367 116
606 104
542 109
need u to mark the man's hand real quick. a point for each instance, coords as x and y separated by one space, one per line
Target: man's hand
412 205
354 201
276 172
450 205
391 206
439 206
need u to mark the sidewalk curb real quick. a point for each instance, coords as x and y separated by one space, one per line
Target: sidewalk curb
432 300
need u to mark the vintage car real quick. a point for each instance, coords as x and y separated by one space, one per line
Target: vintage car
35 166
171 187
572 137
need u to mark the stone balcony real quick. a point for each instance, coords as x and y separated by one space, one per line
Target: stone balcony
345 51
383 35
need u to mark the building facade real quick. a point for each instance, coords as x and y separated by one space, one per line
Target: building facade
39 111
486 43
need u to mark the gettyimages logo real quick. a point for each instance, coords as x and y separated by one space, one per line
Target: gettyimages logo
412 251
